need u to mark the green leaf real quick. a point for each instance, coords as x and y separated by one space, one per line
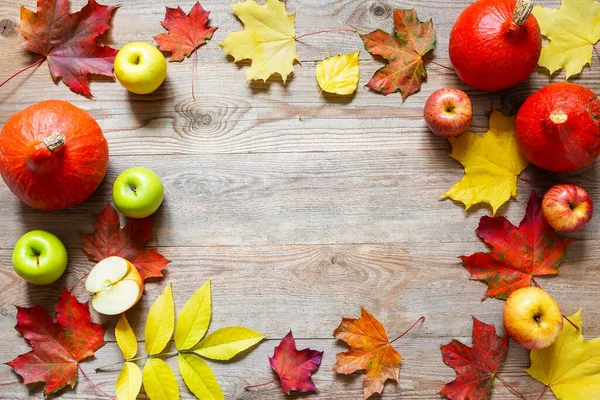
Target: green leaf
226 343
160 322
129 382
159 380
199 378
193 319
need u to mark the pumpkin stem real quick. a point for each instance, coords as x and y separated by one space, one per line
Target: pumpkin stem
523 10
54 141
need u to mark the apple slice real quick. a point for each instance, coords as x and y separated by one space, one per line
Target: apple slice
115 284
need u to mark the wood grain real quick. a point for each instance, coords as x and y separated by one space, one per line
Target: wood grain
297 223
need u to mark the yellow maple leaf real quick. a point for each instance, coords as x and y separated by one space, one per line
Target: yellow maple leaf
492 163
571 366
339 74
268 39
572 30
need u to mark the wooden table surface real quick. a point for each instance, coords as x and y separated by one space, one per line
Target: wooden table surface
297 223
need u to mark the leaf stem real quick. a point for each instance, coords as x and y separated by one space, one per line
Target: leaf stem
512 389
421 318
93 384
436 63
325 31
531 182
136 359
38 62
78 282
260 384
563 315
543 392
311 104
194 73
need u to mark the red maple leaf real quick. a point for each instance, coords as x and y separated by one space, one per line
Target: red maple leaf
518 253
68 41
186 32
404 50
57 347
109 239
476 367
295 367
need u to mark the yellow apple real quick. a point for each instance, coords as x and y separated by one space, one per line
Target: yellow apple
115 284
140 67
532 318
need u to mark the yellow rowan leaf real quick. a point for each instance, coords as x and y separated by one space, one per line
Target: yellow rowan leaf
492 163
160 322
572 30
129 382
571 366
159 380
126 339
339 74
226 343
268 39
193 319
199 378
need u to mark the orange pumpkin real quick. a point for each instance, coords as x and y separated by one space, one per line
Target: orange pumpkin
53 155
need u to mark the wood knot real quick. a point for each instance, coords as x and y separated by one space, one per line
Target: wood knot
8 28
205 119
380 10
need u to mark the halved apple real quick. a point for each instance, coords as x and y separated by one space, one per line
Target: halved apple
115 284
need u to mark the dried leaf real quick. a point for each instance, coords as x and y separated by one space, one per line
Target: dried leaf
492 163
108 239
295 367
160 322
68 41
370 350
126 339
268 39
404 50
199 378
339 74
226 343
159 380
57 347
194 319
186 32
129 382
518 253
476 367
572 31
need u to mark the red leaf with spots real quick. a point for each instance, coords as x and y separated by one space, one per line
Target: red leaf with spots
186 32
109 240
404 50
57 347
295 367
518 253
476 367
68 41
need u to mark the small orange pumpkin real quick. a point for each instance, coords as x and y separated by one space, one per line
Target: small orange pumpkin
53 155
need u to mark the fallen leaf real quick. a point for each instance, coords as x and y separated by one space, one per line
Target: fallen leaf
159 380
160 322
339 74
476 367
57 347
126 339
295 367
186 32
68 41
571 366
572 31
194 319
370 350
268 39
199 378
129 382
404 50
226 343
492 163
108 239
518 253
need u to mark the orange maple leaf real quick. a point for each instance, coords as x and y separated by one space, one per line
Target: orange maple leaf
370 350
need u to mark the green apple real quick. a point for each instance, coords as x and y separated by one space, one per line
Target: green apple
140 67
138 192
39 257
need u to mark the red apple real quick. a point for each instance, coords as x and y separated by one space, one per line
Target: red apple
532 318
448 112
567 208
